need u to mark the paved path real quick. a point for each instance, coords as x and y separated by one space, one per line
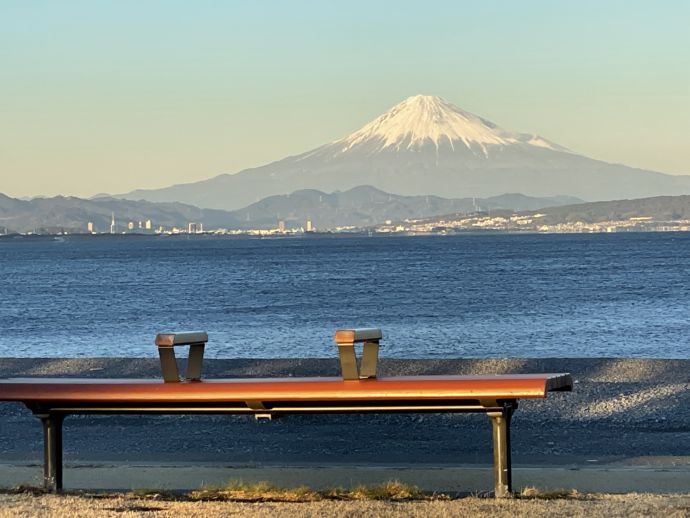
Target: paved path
464 479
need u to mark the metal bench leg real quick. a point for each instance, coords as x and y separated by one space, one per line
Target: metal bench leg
500 422
52 451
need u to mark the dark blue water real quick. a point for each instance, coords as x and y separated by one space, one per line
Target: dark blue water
465 296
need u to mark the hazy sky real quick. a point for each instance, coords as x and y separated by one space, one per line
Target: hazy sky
108 96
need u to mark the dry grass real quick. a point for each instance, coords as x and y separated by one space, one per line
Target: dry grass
129 505
392 499
393 491
558 494
238 491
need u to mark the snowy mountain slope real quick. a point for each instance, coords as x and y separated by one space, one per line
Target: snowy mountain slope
426 145
423 120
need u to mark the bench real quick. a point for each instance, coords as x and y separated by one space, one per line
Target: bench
359 390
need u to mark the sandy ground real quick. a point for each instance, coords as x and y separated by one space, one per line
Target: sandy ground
625 418
604 506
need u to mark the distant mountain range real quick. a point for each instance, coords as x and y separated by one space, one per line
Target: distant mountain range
365 205
361 206
425 145
645 213
659 208
66 213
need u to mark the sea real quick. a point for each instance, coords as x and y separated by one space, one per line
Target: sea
462 296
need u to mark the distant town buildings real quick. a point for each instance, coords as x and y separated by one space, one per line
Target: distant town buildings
143 227
529 223
458 223
195 228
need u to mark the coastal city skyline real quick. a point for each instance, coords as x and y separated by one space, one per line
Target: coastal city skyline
193 92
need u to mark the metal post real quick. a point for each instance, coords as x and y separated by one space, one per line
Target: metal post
169 365
52 451
370 356
195 362
500 421
348 362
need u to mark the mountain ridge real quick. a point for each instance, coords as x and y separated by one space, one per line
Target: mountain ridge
360 206
366 205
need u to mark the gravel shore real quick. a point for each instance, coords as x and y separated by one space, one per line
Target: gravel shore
623 413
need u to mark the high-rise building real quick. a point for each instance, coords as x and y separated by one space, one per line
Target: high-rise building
281 226
112 224
195 228
310 226
89 227
148 224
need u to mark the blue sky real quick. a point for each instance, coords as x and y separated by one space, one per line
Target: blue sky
110 96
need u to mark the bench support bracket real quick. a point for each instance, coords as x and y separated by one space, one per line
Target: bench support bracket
500 424
52 451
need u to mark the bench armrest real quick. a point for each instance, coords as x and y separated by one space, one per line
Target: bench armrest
184 338
353 336
196 340
346 340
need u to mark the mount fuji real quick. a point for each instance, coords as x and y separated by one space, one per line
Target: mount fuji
426 145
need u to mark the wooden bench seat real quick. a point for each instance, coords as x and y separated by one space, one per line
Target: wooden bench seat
276 393
51 399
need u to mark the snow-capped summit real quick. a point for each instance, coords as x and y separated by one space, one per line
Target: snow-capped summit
422 120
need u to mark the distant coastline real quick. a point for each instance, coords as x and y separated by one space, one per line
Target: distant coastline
336 234
359 211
